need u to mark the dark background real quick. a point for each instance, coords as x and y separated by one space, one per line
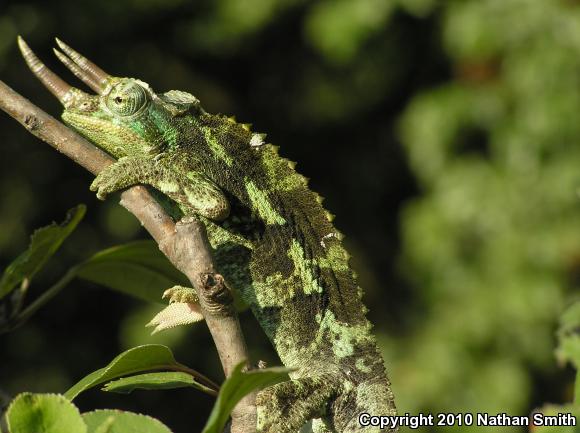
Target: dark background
443 134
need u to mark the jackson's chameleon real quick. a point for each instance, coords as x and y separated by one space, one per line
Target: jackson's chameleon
274 242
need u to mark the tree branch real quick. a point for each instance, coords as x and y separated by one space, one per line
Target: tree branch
185 244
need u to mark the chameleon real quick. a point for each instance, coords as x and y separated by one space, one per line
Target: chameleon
273 240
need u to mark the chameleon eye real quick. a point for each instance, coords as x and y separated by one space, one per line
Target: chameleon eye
126 99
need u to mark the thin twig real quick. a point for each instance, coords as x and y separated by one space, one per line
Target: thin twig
185 244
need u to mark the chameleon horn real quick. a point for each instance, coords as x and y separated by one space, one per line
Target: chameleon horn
51 81
87 79
83 68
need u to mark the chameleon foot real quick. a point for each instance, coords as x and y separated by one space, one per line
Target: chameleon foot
116 176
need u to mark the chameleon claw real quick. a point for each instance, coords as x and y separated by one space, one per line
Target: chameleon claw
99 188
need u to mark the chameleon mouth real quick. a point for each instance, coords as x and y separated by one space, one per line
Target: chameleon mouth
84 69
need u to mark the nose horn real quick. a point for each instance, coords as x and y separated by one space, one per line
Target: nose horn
51 81
83 68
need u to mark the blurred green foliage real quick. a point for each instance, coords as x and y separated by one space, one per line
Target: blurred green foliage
443 134
492 243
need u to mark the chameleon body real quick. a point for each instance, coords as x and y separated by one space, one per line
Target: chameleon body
274 243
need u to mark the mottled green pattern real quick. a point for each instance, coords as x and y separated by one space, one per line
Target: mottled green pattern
274 243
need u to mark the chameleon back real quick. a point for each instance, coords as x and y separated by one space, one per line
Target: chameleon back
300 286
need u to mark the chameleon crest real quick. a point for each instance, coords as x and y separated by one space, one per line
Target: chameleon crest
274 242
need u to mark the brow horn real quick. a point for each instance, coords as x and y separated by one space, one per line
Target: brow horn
51 81
83 68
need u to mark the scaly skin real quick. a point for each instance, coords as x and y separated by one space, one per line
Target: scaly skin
274 243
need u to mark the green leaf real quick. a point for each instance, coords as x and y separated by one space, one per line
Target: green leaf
43 413
159 380
136 268
116 421
135 360
43 244
238 385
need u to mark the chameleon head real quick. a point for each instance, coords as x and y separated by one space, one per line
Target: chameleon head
125 117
